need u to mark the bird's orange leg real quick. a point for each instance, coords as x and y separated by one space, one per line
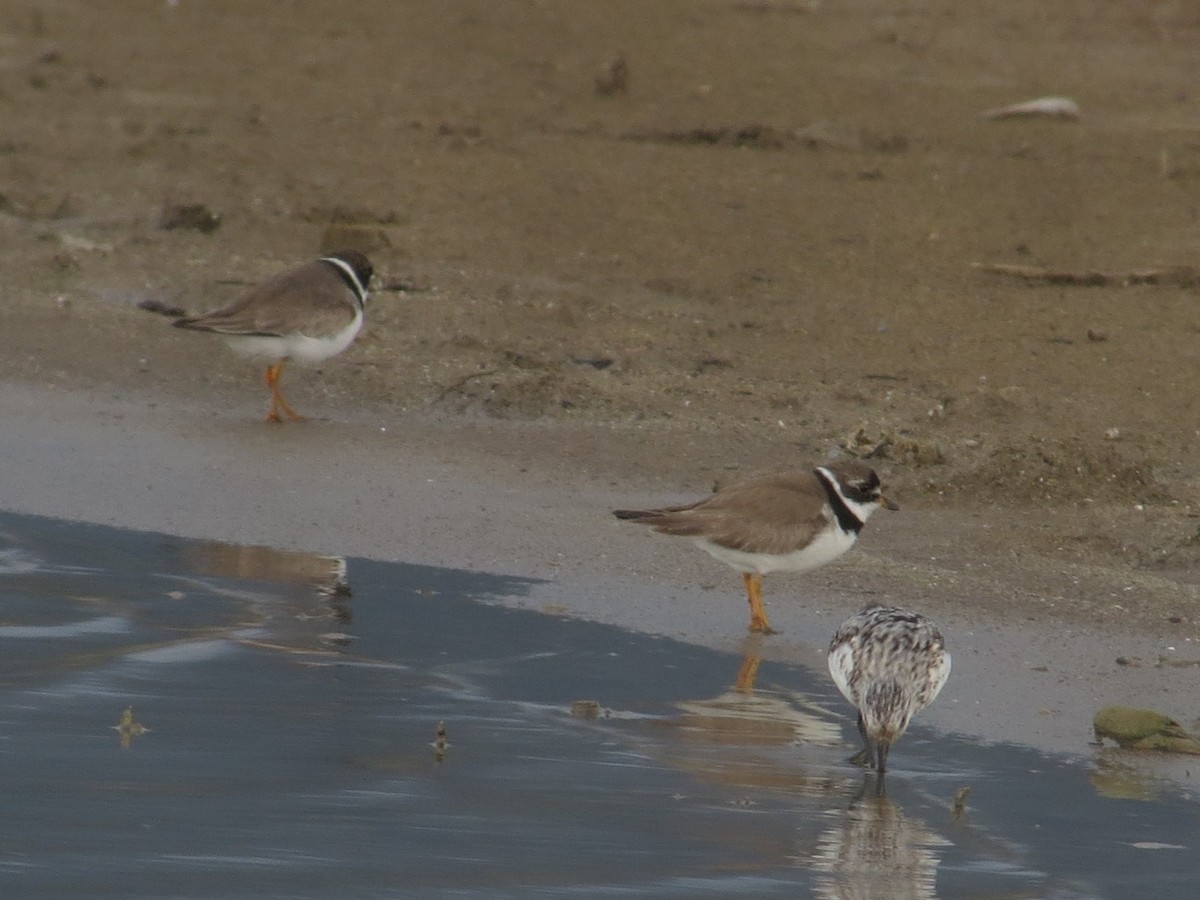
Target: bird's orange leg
758 615
278 404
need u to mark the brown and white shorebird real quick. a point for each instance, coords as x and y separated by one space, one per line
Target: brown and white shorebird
308 314
790 522
890 663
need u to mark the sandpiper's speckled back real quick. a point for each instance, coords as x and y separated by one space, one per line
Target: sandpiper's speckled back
890 663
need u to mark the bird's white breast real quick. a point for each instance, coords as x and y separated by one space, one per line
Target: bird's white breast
299 347
827 546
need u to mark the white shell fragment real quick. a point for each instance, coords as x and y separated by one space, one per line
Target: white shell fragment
1155 845
1046 107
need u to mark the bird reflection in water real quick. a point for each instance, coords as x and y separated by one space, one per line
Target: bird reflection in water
310 619
770 731
874 851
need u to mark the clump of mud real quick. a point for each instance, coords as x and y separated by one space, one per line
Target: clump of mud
1060 470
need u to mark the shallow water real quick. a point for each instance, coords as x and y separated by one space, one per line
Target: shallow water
292 702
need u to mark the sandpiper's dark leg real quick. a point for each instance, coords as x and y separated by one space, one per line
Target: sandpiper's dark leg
881 756
863 756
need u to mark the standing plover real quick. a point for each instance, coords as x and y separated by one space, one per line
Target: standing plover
889 663
789 522
308 314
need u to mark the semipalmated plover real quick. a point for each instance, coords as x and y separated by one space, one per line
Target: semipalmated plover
891 664
308 314
789 522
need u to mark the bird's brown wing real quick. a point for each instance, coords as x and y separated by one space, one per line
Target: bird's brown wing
776 514
310 299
